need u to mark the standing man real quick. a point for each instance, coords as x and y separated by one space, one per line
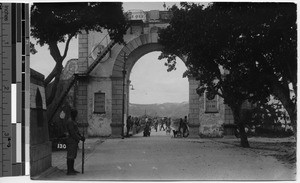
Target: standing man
137 124
168 125
186 127
162 124
128 125
155 124
72 142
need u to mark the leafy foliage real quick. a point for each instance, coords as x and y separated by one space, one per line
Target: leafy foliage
268 115
32 49
240 51
53 23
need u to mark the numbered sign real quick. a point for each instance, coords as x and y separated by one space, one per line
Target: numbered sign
211 106
61 146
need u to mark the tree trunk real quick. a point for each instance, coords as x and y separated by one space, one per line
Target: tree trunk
54 85
56 72
293 117
240 124
291 109
283 94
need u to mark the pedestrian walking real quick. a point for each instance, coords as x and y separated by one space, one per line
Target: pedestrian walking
72 142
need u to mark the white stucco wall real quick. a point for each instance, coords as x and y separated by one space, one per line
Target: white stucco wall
99 124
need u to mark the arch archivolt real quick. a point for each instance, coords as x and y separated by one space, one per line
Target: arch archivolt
140 45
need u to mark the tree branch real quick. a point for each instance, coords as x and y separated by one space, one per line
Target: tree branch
54 52
50 76
67 45
53 90
57 69
220 94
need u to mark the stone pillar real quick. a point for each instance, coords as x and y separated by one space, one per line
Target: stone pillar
229 126
81 93
193 109
117 101
82 52
81 101
211 122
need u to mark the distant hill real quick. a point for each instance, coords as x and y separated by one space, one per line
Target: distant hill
173 110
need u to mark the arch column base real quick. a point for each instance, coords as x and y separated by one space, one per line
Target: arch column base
194 131
116 130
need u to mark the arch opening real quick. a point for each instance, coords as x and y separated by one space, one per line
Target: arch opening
133 51
153 86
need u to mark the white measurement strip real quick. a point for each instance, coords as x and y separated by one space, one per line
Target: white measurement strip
18 125
13 103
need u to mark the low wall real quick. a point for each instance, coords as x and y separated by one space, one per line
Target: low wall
40 146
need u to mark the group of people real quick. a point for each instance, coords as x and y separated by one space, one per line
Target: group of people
130 122
73 135
163 124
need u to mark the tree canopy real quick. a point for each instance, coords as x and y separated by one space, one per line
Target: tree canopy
53 23
240 51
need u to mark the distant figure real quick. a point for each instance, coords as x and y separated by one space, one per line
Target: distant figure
162 123
155 124
180 125
137 124
168 125
72 142
185 127
128 125
147 128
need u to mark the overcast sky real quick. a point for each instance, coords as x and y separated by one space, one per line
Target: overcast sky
150 79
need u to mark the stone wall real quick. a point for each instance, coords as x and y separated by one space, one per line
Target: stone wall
204 124
40 146
99 124
211 124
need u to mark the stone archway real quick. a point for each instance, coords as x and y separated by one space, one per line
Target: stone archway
134 50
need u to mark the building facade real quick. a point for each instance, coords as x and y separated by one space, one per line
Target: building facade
99 89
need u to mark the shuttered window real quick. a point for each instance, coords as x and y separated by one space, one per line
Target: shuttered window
99 103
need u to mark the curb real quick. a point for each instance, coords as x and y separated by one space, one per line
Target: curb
46 173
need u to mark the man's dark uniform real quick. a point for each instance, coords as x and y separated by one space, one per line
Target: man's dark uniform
72 143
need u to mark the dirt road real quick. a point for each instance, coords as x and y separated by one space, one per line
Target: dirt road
161 157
